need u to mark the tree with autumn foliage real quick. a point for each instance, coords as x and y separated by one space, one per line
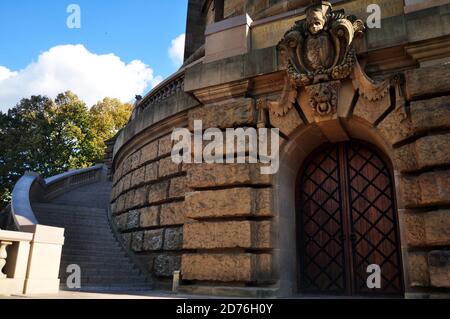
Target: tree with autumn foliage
50 137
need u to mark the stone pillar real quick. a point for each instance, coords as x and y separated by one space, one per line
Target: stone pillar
195 27
229 236
44 260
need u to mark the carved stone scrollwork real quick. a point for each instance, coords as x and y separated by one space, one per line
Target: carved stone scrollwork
318 53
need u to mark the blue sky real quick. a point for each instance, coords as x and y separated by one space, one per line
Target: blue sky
140 30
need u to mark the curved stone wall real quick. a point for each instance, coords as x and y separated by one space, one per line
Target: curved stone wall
147 195
230 226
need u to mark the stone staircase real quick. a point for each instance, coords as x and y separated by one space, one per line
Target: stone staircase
90 241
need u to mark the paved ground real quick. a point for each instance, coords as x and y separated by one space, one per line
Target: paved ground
96 295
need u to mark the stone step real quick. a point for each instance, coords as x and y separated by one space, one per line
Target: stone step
58 215
70 252
100 273
93 247
89 234
99 264
92 250
112 279
68 258
90 241
79 229
67 208
111 287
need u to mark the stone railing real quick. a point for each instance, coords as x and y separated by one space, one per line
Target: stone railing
30 257
164 90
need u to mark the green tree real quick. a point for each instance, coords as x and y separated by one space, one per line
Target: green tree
107 118
50 137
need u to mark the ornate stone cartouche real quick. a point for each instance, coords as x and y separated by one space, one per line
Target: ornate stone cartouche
318 53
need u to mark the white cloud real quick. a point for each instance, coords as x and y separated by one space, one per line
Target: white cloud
6 73
72 67
176 51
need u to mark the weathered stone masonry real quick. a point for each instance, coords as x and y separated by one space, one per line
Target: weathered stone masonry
148 194
228 225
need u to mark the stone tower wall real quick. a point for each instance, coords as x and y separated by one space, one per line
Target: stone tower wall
227 227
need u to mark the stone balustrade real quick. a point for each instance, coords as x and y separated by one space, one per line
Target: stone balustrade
30 257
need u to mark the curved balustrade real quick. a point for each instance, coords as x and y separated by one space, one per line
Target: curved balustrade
165 89
31 187
34 245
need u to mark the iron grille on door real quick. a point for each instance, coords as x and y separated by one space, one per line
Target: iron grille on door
347 221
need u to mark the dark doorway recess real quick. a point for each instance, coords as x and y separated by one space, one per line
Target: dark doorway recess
346 221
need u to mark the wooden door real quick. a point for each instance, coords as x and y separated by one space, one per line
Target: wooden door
347 220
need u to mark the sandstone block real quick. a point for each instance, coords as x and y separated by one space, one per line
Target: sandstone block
235 234
165 145
433 150
135 160
428 189
213 175
127 182
126 165
228 114
129 199
149 216
121 221
428 229
133 219
127 239
165 265
137 241
234 202
149 152
371 111
427 81
177 187
226 267
173 214
418 270
138 177
168 167
173 238
439 267
120 204
153 240
396 127
119 188
140 196
287 124
158 192
151 172
430 114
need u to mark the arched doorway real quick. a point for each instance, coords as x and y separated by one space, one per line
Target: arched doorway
346 221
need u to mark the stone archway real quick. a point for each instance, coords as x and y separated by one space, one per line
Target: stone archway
347 222
301 144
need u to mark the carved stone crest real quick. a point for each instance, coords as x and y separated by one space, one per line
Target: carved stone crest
318 53
320 48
